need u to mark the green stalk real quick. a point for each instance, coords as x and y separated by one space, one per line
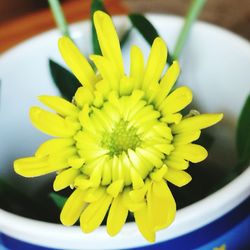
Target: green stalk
193 13
59 16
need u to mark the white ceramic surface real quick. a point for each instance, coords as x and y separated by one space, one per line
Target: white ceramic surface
215 64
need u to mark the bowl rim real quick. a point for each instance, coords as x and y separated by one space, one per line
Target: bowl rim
237 188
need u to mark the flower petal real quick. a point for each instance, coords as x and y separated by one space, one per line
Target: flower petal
143 224
77 62
176 163
188 137
196 123
156 62
94 214
83 96
191 152
53 145
33 166
176 101
117 216
161 205
60 105
115 188
158 174
107 70
136 66
131 204
178 177
51 124
65 179
126 86
73 208
108 39
167 82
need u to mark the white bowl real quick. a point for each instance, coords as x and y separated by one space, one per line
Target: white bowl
215 64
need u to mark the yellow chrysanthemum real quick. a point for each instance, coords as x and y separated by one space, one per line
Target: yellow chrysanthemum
121 139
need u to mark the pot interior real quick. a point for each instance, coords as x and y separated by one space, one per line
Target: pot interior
209 67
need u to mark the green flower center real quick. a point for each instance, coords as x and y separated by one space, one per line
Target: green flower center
121 138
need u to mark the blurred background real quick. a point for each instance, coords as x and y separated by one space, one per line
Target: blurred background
20 19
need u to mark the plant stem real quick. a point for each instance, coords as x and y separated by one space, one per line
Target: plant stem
59 16
193 12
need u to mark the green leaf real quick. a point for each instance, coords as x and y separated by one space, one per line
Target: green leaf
146 29
59 200
143 25
243 134
125 37
96 5
66 82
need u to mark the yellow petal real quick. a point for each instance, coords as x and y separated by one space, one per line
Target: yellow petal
33 166
82 182
131 204
163 130
143 224
167 82
136 179
158 174
112 112
99 98
53 145
76 162
108 39
165 148
51 124
151 156
176 101
143 117
136 66
91 164
188 137
126 86
73 208
138 195
196 123
177 163
65 179
172 118
117 216
107 70
60 105
83 96
103 87
115 188
94 194
96 176
161 205
137 163
94 214
191 152
107 175
126 165
178 177
77 62
152 91
102 119
156 62
60 159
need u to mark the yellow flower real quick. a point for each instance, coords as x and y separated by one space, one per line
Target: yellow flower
121 139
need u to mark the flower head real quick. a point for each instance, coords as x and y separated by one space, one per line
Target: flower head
121 139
